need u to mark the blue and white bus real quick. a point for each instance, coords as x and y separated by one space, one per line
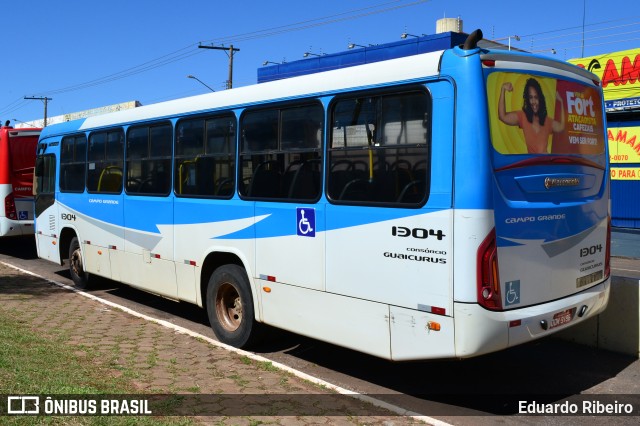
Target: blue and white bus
409 209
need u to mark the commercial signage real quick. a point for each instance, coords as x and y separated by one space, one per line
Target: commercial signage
81 114
556 117
625 173
624 148
620 75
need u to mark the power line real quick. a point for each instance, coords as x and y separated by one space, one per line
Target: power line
146 66
185 52
563 43
14 106
317 22
579 26
189 51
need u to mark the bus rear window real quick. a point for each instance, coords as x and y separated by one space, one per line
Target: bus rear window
531 114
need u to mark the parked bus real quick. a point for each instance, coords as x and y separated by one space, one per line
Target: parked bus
401 208
17 159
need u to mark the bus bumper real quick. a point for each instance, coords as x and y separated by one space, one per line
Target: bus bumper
15 228
480 331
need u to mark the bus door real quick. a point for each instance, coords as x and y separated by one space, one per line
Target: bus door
389 222
46 209
148 210
551 193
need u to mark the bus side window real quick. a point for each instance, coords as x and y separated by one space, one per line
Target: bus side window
149 160
379 149
205 157
73 156
105 162
281 153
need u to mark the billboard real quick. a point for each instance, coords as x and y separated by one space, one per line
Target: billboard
81 114
620 75
624 149
544 115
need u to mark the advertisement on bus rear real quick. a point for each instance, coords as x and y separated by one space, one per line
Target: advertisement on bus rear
531 114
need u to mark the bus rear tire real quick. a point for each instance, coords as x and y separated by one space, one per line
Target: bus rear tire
76 266
230 307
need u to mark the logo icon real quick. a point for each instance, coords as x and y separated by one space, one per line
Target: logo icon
23 405
23 215
306 222
550 182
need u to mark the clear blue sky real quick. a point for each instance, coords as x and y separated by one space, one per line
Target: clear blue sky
85 54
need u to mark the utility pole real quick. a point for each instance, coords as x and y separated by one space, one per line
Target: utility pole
43 99
229 51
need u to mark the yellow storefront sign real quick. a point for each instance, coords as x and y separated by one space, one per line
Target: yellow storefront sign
625 173
624 144
619 72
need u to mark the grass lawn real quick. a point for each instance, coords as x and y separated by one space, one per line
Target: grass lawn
33 365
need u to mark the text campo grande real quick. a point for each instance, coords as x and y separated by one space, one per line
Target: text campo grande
566 407
102 201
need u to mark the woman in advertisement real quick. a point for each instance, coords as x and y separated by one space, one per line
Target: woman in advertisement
532 118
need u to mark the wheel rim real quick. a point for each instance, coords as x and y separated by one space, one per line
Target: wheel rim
229 307
76 263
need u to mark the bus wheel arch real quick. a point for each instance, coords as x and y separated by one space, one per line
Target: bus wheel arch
230 306
212 262
64 242
77 271
229 300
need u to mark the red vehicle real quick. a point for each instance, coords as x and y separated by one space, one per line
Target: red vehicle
17 160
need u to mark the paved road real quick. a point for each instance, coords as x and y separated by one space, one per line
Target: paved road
625 243
483 390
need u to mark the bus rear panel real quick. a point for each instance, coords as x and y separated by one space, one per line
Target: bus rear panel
17 159
545 263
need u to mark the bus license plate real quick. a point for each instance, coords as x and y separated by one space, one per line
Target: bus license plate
562 318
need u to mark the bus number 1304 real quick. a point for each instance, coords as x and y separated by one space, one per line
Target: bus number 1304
419 233
589 251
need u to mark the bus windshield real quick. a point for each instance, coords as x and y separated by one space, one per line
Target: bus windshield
531 114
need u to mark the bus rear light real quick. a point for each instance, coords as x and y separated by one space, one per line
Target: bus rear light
489 63
488 280
10 207
515 323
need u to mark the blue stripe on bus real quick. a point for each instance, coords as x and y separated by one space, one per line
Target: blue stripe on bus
280 221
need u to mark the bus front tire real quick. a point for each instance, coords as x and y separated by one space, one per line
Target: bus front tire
230 307
76 266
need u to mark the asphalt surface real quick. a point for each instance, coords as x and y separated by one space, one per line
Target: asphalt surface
484 390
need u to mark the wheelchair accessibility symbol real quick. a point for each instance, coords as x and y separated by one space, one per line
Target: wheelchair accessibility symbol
23 215
306 222
512 294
